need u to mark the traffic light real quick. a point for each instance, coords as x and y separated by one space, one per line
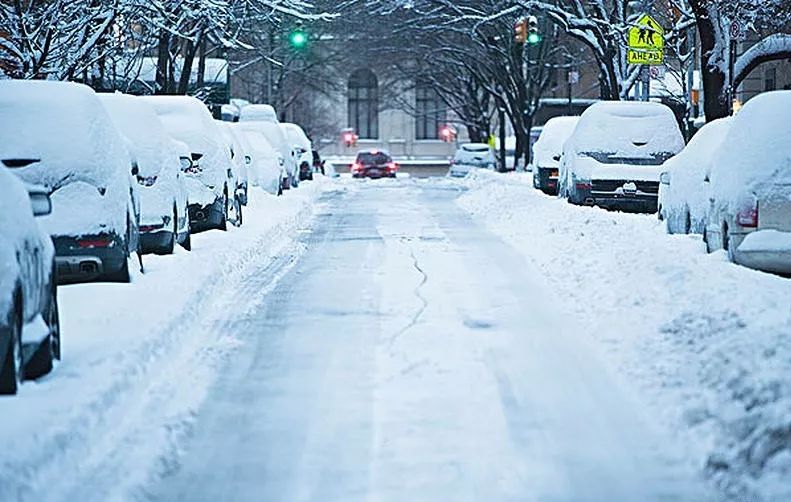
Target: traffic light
520 31
298 38
533 36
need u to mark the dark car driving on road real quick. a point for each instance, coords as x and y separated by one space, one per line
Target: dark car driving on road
374 164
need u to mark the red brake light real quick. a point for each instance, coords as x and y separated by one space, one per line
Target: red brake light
748 212
392 166
95 242
356 166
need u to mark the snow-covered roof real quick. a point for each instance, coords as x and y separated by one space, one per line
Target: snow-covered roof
550 144
139 123
296 135
258 113
757 148
65 127
216 70
628 129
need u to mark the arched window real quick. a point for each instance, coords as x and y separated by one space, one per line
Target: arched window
364 104
431 113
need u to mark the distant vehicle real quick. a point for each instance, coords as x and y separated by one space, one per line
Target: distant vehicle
374 164
263 118
210 181
614 157
548 150
472 156
164 220
267 168
750 211
29 322
301 148
79 156
684 189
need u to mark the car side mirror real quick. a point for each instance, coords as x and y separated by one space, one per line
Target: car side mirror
556 158
40 202
664 178
706 179
196 156
135 170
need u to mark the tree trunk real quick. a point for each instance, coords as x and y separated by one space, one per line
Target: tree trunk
186 70
715 103
163 58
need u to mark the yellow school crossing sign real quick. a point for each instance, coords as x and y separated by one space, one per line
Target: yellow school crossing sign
646 42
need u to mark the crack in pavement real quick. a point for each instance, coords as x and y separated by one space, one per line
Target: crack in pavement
424 302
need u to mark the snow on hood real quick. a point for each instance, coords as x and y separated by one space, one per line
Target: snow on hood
627 129
757 148
297 137
188 120
65 127
258 113
550 144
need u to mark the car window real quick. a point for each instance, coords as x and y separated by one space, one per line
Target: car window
373 158
654 159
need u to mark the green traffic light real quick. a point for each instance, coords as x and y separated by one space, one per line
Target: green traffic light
299 39
533 38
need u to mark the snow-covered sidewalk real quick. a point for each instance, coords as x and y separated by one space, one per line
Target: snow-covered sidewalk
137 359
704 341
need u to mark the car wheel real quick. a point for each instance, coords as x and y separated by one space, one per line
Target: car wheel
53 320
726 238
224 221
12 372
171 248
280 189
688 223
238 205
41 362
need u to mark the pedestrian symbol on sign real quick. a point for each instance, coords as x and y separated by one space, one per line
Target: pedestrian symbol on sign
646 40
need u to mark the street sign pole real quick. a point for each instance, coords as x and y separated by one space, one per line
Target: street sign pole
646 83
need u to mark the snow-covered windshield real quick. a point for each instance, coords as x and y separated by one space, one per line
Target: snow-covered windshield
373 158
653 159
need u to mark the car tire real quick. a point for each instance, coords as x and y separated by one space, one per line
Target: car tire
12 370
238 205
280 189
687 223
171 247
187 243
224 221
41 362
53 320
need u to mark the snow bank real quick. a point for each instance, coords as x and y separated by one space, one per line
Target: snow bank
138 358
757 148
550 144
767 241
79 151
704 341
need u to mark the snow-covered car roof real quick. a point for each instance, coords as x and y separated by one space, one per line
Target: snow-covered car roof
627 129
699 154
65 128
553 136
757 148
296 135
187 119
139 123
258 113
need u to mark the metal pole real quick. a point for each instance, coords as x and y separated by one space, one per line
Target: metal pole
646 83
502 139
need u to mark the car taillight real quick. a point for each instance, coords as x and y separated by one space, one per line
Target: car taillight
583 185
356 166
95 242
392 166
747 216
147 181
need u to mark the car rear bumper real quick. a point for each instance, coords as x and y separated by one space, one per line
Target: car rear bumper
767 250
76 264
639 202
157 241
206 217
374 173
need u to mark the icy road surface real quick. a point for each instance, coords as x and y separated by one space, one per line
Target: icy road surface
410 354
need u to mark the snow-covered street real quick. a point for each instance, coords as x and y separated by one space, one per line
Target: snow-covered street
415 339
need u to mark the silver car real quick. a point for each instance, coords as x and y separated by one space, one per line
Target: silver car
750 206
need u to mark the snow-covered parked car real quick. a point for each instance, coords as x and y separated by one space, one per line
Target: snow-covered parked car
684 189
235 154
614 157
164 219
267 169
548 150
263 118
750 211
302 149
58 135
29 324
209 180
471 156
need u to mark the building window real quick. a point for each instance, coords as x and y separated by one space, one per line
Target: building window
430 113
770 79
364 104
